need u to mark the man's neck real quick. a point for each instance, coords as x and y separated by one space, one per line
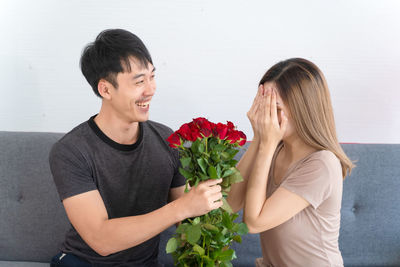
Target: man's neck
116 128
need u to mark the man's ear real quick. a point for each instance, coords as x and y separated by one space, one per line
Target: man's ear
103 88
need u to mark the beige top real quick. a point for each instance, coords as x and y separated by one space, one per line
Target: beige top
310 238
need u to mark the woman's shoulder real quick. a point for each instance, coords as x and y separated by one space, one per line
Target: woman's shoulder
326 160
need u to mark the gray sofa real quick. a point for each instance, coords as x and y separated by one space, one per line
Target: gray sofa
33 222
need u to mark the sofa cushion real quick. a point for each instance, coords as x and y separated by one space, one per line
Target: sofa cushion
22 264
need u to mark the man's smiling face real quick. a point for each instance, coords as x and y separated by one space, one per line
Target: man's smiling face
131 100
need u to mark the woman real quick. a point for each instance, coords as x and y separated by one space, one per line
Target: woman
293 169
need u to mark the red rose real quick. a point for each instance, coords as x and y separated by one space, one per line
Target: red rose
204 125
242 139
195 132
185 132
174 140
233 136
220 130
230 125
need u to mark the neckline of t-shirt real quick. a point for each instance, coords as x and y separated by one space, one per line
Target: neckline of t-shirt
290 167
112 143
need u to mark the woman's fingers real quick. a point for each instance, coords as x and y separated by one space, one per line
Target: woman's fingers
274 115
284 122
267 105
256 102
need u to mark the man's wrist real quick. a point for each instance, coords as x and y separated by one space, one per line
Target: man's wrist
179 209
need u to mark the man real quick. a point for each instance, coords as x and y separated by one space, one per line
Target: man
116 176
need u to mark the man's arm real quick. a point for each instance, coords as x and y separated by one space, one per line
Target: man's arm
88 215
176 192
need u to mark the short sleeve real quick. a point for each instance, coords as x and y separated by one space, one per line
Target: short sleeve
71 174
178 179
311 181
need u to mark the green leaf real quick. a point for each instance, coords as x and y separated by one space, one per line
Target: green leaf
229 172
219 148
225 206
185 161
212 172
225 182
226 220
181 228
201 148
227 189
196 221
233 162
186 187
185 173
193 233
210 263
235 178
203 176
196 183
243 229
227 255
225 156
232 152
203 165
210 227
237 238
234 216
226 264
172 245
198 249
195 146
219 171
215 157
184 255
223 232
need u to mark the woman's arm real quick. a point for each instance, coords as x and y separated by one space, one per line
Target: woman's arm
260 213
238 191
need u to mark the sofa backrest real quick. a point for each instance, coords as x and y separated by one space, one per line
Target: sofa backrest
33 222
370 221
32 219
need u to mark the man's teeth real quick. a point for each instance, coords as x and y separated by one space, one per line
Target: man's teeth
143 104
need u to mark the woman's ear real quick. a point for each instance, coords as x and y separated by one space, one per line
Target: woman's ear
103 88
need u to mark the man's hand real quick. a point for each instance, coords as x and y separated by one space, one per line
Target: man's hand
203 198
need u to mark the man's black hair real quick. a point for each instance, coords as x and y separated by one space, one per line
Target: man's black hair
109 54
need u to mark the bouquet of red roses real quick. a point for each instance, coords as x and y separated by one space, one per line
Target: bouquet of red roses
207 151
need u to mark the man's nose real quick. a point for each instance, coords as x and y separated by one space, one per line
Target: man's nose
150 88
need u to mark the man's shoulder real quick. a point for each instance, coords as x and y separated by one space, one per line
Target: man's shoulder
73 139
160 128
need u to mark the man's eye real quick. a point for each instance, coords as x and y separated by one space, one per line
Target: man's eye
139 82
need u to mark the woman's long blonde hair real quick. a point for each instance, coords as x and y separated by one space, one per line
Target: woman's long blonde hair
304 90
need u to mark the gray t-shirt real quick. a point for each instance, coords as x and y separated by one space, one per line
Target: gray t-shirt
310 238
132 180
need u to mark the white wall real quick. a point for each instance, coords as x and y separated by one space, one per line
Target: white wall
209 56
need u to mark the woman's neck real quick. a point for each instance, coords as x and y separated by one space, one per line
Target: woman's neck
294 149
